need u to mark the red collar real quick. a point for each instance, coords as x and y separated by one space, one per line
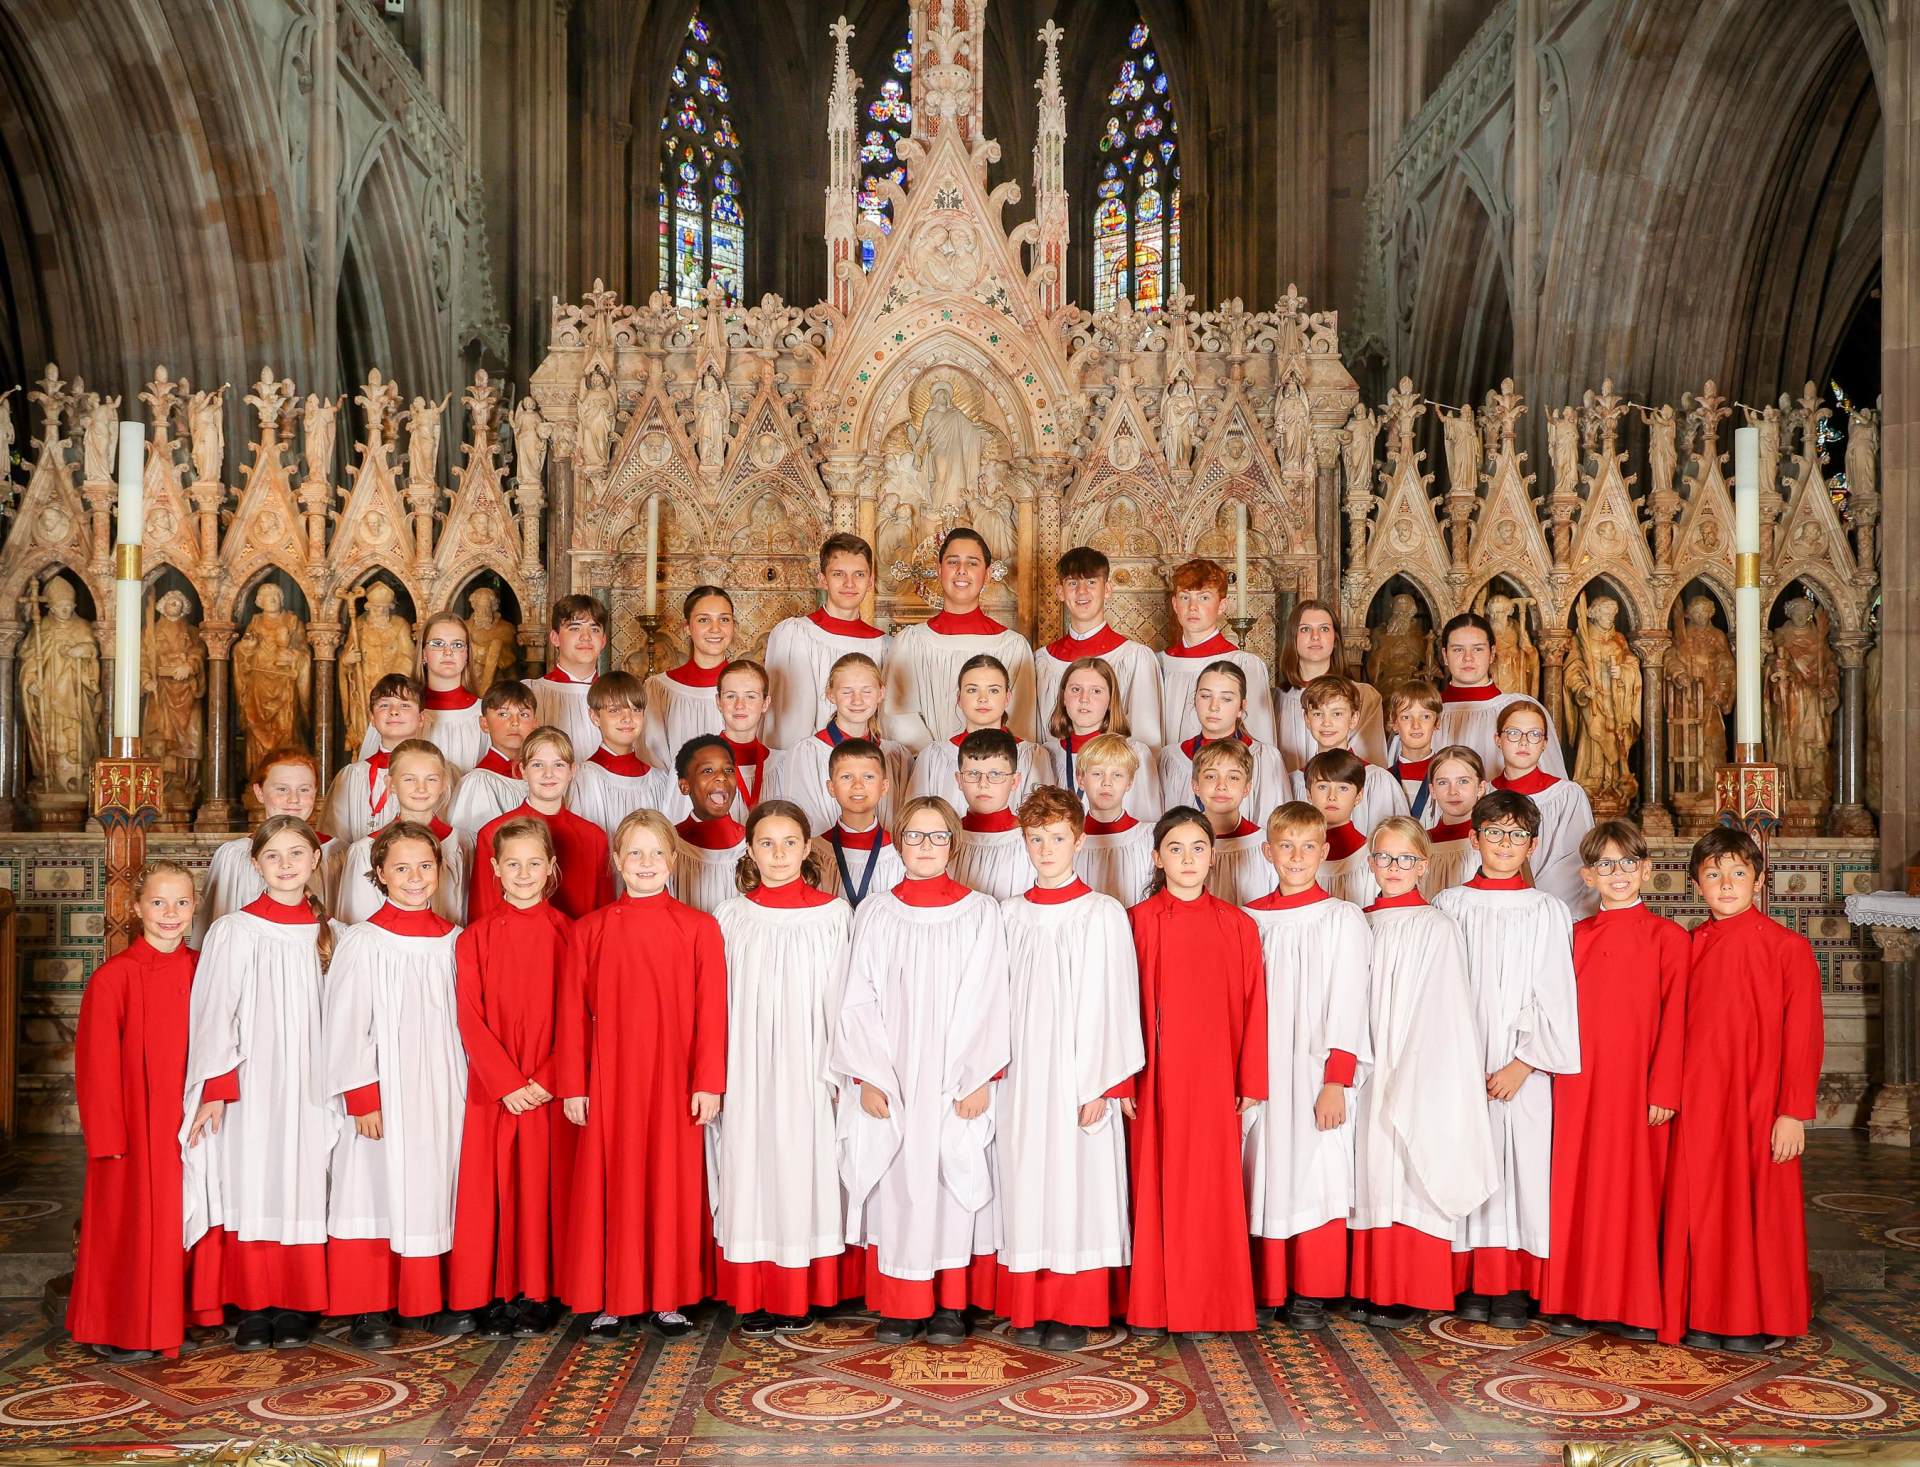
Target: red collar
930 891
855 627
828 734
1244 828
428 923
690 675
1533 782
1484 882
441 700
1111 827
748 756
1343 840
1275 902
975 623
1215 646
558 674
1193 746
441 830
1485 693
324 838
629 766
1073 743
960 737
752 752
1054 896
376 762
1098 643
862 840
1405 899
1451 830
712 835
1618 915
792 896
1412 768
989 824
286 914
494 762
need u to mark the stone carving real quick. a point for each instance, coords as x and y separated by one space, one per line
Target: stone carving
1356 449
1516 661
8 433
531 433
319 423
1803 690
1293 430
60 690
423 439
1699 696
377 642
1463 448
1602 710
208 434
493 643
99 437
1179 423
1863 453
173 676
1399 652
595 417
948 444
712 406
272 678
1563 449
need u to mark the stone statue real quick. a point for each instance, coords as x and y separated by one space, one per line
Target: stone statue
272 678
1399 650
594 414
1463 449
377 643
1516 661
1179 423
947 448
99 437
1602 710
712 405
1563 449
1293 430
8 433
493 643
1663 453
1356 451
1863 453
530 435
173 676
1803 690
208 434
319 420
423 441
1700 692
60 691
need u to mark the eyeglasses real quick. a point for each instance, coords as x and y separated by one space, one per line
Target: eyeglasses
444 644
1607 865
1502 835
1523 736
984 776
1387 861
935 838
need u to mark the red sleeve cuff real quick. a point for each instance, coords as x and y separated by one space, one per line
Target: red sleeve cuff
1340 1067
364 1101
1122 1091
223 1087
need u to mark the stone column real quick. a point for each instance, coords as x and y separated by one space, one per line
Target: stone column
1053 477
1529 17
10 740
1652 650
1326 514
325 640
559 519
1849 815
1555 643
216 810
1895 1118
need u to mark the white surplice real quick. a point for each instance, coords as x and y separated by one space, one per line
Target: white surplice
923 675
888 869
1240 872
1380 796
1297 745
924 1019
936 771
703 879
1180 676
992 862
1451 863
800 656
561 701
351 897
675 714
1075 1025
1350 878
1118 864
1520 970
607 798
1136 667
483 796
1473 724
1566 815
1143 801
233 881
1270 789
799 774
347 813
455 732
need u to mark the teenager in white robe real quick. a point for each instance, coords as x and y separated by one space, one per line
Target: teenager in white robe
1330 712
1566 814
1456 779
289 785
801 650
983 692
1311 646
1471 703
708 844
923 1031
1199 601
1220 706
684 702
1086 705
925 660
614 780
577 630
493 785
802 771
1083 582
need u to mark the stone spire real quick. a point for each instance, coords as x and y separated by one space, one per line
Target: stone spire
843 171
1049 179
948 44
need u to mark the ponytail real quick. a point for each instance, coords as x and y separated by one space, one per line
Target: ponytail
323 936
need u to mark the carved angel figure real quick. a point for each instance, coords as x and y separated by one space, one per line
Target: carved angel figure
712 406
1179 422
319 422
99 435
209 437
1463 449
423 440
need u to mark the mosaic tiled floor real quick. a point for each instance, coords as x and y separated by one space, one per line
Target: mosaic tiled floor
1450 1392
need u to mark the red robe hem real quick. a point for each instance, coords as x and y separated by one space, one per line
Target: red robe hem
254 1276
1400 1265
950 1288
1087 1298
1312 1264
1497 1271
793 1292
365 1276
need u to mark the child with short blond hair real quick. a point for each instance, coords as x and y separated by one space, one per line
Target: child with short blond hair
1116 858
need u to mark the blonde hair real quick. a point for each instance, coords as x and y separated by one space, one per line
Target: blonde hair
854 662
548 736
1458 754
421 749
1408 829
746 665
746 871
161 867
1223 751
1296 815
1107 750
651 820
533 828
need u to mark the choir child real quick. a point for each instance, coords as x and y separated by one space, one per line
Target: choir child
129 1294
778 1221
419 775
1059 1147
1221 774
360 799
1458 780
586 873
1413 713
261 1131
857 856
1520 969
989 854
1423 1150
1734 1266
1310 648
926 659
708 843
922 1033
1086 705
1317 952
1566 815
1199 598
1203 1011
982 693
1083 581
642 1064
516 1148
801 772
1220 708
1328 705
615 780
683 702
394 1064
1471 702
577 634
1610 1128
742 696
802 650
289 784
452 708
494 786
1116 858
1334 780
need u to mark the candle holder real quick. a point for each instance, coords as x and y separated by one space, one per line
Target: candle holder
1751 796
1241 626
650 624
126 801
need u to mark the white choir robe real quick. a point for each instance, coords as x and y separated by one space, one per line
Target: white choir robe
347 813
606 797
771 1152
1270 789
1297 744
1180 676
801 651
1566 815
703 876
1240 873
1118 862
1136 667
1143 801
923 676
1380 797
924 1019
351 897
1429 813
1423 1151
1319 963
1471 722
799 774
562 701
1520 972
676 713
936 771
992 862
256 1007
888 869
233 881
1350 878
481 796
1452 862
391 1019
455 730
1075 1031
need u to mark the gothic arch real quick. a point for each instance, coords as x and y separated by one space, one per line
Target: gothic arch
389 319
1463 316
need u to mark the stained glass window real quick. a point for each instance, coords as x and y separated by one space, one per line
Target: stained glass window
888 118
703 229
1136 212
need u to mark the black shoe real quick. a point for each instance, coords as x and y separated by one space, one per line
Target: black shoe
605 1329
1510 1311
947 1327
1637 1332
1396 1317
1699 1339
453 1322
1745 1344
1200 1334
1475 1307
291 1329
120 1355
1148 1331
670 1324
255 1332
529 1318
1305 1314
1065 1338
1034 1337
758 1325
1567 1324
891 1331
786 1324
371 1332
495 1322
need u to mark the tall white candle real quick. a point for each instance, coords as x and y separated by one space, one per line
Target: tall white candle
1240 560
127 583
1746 594
653 554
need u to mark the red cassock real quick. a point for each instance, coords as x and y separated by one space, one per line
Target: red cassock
1204 1015
130 1072
586 870
643 1025
1735 1260
1609 1165
516 1172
